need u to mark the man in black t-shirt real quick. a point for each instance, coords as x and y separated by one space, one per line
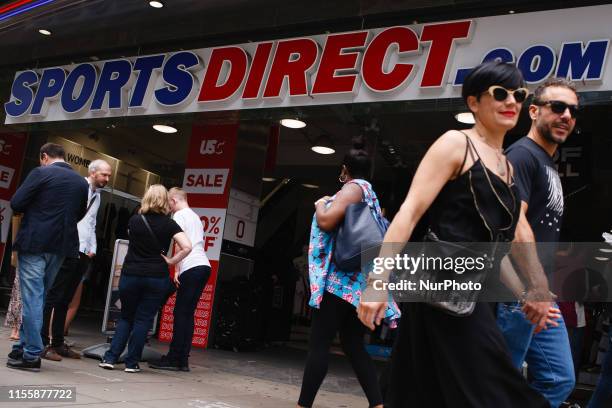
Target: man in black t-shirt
547 352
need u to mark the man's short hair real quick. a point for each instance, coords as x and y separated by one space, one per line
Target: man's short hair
96 164
552 82
178 192
53 151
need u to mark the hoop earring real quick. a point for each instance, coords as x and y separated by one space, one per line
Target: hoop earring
342 178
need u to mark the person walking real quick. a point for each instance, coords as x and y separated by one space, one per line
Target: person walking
441 359
145 276
547 352
336 293
53 199
190 278
71 273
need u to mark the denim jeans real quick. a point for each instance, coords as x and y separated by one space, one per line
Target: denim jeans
192 282
140 299
548 353
602 397
36 275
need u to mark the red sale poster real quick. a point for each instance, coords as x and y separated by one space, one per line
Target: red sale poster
12 150
207 181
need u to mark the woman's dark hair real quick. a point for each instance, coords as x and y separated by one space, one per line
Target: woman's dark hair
357 160
491 73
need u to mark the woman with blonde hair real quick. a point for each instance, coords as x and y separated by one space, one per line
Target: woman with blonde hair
145 277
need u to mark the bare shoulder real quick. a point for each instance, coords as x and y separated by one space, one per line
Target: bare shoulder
451 145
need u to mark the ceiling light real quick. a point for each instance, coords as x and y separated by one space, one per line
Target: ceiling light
156 4
310 185
323 145
165 128
44 32
511 11
601 258
606 250
293 123
465 117
268 179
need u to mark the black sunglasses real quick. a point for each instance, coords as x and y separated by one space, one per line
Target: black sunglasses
500 94
559 107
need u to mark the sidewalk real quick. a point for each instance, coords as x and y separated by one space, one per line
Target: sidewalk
218 379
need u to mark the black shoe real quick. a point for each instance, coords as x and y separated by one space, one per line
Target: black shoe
184 367
164 364
15 355
21 364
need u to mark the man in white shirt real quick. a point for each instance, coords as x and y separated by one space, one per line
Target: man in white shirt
70 275
190 277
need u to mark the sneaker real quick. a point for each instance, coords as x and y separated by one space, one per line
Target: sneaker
107 365
15 355
164 364
65 351
49 353
134 369
27 365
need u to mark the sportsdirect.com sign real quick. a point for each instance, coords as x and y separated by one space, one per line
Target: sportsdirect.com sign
387 64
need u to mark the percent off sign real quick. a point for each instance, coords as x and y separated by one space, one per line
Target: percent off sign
211 226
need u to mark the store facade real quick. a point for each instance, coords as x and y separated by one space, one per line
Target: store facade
398 85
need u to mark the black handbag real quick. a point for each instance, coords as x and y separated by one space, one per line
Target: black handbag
359 232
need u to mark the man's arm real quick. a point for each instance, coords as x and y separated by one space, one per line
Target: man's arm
26 192
93 242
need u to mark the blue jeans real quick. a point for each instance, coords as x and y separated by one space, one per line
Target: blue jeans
141 298
602 397
548 353
36 275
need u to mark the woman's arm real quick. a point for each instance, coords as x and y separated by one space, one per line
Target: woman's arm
329 218
182 240
439 165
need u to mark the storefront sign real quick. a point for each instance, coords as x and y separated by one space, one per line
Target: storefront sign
423 61
12 150
207 179
241 221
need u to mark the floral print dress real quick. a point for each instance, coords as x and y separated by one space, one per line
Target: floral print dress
323 272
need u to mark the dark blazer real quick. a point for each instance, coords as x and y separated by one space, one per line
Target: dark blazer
52 199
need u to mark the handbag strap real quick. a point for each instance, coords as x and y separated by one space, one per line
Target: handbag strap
146 223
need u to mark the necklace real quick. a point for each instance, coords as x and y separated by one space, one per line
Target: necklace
501 165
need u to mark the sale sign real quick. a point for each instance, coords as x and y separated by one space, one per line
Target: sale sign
207 181
12 150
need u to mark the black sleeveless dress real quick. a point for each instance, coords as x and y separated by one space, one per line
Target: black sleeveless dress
440 360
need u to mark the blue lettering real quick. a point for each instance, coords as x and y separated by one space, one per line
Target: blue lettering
115 75
537 63
499 54
579 63
51 84
22 94
88 74
145 65
178 79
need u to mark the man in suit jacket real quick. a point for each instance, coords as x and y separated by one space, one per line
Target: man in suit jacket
53 199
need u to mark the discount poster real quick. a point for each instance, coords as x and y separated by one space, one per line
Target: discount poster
207 181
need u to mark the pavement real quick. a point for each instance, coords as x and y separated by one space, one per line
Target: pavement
268 378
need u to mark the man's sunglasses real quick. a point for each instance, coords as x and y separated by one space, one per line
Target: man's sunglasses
559 107
500 94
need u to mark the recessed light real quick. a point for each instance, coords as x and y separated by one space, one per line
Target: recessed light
606 250
268 179
156 4
322 150
165 128
293 123
310 185
601 258
465 117
44 32
510 11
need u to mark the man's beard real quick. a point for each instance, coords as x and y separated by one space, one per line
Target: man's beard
546 131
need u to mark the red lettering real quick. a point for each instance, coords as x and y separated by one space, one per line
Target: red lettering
374 60
4 176
442 37
190 180
209 242
292 59
256 73
211 89
333 59
218 180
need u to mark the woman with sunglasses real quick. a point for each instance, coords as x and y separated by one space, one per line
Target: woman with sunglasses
465 182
